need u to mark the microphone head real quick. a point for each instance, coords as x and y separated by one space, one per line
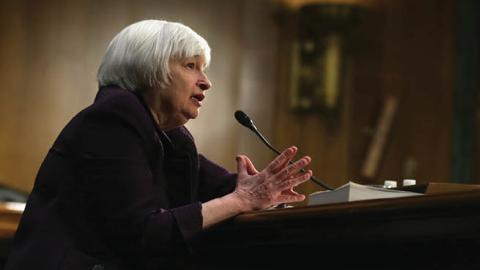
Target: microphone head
243 119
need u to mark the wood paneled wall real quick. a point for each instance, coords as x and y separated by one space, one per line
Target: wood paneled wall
50 51
401 48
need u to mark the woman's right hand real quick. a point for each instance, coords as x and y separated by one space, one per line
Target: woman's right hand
274 184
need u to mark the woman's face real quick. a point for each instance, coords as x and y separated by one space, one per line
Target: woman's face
181 100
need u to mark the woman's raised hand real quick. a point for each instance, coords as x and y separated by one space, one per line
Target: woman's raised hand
274 184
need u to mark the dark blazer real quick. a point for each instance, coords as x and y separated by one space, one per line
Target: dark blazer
115 192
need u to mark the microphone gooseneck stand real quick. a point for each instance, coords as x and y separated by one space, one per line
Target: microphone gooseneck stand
245 121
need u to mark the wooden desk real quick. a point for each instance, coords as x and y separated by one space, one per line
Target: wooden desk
10 214
438 231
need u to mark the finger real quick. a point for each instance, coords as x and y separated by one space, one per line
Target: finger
241 166
293 168
293 182
289 191
281 160
291 198
251 170
298 174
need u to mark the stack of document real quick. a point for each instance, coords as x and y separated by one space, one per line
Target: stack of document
356 192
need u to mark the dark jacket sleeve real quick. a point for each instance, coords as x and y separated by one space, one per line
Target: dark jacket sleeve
215 181
121 191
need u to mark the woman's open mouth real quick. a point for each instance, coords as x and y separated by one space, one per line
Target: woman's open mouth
197 99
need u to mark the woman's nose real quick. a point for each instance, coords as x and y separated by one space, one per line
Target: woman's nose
204 83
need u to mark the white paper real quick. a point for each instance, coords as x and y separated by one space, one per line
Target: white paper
356 192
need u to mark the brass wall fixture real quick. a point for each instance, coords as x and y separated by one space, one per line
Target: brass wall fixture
318 57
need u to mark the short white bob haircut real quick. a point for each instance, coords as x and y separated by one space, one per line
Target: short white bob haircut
138 57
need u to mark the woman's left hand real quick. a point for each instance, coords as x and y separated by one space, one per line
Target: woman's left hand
274 184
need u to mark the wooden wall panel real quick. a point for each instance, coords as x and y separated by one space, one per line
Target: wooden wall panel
418 69
309 132
401 48
50 51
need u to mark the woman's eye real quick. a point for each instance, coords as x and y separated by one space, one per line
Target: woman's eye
190 65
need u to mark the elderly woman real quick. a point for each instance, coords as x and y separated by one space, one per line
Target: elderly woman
123 186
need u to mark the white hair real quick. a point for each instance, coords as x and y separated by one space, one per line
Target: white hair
138 57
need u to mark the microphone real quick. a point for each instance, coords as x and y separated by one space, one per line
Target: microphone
244 120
